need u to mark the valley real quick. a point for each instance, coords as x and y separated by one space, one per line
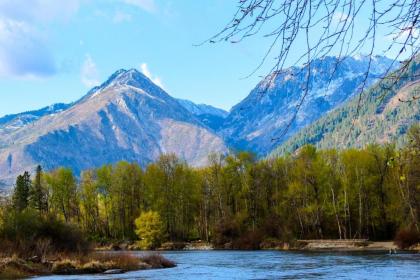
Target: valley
130 118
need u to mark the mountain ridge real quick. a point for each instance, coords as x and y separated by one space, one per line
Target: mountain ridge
270 107
128 118
383 116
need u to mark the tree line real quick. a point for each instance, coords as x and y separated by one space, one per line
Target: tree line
236 199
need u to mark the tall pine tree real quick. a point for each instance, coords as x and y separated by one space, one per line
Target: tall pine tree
21 192
37 193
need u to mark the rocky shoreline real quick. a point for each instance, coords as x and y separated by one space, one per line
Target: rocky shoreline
327 245
14 267
348 245
343 245
167 246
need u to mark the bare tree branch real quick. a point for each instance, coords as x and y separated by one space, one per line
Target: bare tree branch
328 28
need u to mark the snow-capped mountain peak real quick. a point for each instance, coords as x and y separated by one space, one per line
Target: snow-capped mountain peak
271 106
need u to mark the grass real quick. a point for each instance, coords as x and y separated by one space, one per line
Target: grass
124 261
12 268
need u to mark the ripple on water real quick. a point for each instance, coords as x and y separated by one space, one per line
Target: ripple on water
257 265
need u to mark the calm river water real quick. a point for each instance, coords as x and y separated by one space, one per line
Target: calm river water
276 265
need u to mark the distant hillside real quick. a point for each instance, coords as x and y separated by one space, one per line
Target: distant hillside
126 118
211 116
382 118
130 118
13 122
269 108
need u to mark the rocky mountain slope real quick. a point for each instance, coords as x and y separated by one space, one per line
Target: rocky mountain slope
130 118
13 122
211 116
262 117
386 112
126 118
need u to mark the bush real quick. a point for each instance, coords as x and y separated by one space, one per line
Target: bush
64 267
92 267
124 261
157 261
64 237
15 268
250 240
225 232
149 229
405 238
27 234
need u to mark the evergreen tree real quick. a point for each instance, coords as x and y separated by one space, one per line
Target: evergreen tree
235 201
37 194
21 192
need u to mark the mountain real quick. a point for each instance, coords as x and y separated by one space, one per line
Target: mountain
13 122
202 109
126 118
264 114
130 118
384 116
211 116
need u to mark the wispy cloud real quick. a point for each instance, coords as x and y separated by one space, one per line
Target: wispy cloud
155 79
89 72
339 18
121 17
401 44
38 10
404 34
147 5
24 52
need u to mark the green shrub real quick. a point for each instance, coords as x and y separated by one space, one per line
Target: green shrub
149 229
27 233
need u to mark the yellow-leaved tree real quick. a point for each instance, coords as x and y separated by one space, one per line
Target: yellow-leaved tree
149 229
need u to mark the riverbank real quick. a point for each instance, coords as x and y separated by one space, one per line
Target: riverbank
344 245
107 263
167 246
329 245
341 245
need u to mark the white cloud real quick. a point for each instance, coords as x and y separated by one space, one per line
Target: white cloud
38 10
121 17
147 5
89 72
403 35
156 80
339 18
23 52
400 38
398 45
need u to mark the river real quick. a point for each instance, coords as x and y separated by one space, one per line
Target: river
275 265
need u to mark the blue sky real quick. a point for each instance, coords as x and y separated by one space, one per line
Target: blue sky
55 51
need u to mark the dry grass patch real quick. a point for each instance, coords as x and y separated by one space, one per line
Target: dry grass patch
14 267
156 260
96 263
123 261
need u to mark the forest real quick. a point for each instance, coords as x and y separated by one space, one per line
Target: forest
236 201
